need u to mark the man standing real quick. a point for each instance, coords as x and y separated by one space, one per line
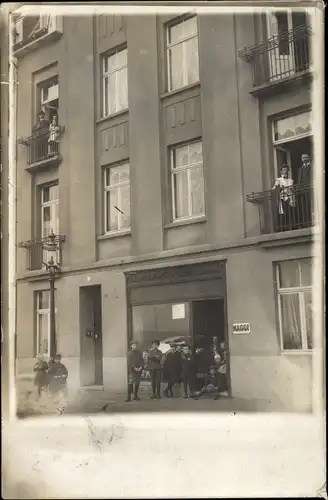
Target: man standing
40 139
155 368
304 182
135 367
172 369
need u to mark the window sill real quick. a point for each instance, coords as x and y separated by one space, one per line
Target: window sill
180 90
186 222
296 352
114 234
114 115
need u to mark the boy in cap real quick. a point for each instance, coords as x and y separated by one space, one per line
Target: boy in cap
155 368
41 376
58 377
135 367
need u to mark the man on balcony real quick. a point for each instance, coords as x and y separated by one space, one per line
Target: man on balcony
40 138
304 182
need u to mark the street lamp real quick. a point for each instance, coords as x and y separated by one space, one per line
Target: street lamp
51 246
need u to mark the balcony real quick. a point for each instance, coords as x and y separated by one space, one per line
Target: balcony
30 32
280 60
41 151
285 209
37 256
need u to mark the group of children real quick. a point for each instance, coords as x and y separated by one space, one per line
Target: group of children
177 366
50 377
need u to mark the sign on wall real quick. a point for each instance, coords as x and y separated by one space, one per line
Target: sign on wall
241 328
178 311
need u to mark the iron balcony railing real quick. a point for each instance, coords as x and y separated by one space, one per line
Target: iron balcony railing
281 56
37 256
286 209
41 147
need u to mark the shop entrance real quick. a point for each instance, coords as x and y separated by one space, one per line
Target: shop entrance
91 364
183 305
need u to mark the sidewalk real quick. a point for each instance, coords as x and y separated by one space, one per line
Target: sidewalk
93 402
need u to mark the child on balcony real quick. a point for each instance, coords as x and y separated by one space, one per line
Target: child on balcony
53 139
286 202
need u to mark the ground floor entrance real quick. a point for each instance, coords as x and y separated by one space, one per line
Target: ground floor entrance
179 307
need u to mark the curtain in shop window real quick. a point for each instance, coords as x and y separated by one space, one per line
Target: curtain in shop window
290 318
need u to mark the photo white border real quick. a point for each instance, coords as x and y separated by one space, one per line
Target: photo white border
252 474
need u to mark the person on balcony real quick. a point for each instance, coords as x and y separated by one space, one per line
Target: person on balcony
40 138
53 139
286 200
304 193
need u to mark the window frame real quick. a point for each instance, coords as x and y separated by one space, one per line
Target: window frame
108 189
174 170
300 290
169 45
105 75
41 86
42 312
46 204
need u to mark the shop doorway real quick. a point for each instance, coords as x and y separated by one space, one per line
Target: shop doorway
91 358
209 333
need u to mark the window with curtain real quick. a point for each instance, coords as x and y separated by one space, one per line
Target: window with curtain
182 53
187 180
294 285
43 322
114 82
117 198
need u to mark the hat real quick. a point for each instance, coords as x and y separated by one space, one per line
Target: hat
155 342
133 342
58 356
41 112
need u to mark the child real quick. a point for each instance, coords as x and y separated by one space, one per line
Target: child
187 370
135 367
212 383
155 368
53 139
41 377
58 378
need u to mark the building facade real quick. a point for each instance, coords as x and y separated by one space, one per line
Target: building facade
168 133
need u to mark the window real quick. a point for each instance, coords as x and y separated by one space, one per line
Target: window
187 181
294 281
117 198
43 322
182 53
292 137
49 213
115 82
48 98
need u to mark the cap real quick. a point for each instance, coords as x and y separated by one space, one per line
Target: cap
133 342
155 342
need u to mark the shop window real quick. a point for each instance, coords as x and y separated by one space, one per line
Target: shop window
292 138
187 181
294 289
182 53
114 82
117 198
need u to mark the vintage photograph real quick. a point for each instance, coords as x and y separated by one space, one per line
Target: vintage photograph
166 211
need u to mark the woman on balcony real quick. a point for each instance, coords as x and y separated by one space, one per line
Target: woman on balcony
286 200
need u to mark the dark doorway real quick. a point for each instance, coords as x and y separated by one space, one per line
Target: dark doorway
91 362
208 326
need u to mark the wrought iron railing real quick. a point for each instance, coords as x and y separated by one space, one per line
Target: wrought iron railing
281 56
41 147
37 256
286 209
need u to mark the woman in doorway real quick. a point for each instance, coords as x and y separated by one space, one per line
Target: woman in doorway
286 201
135 367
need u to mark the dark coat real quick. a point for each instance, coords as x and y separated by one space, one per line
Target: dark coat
57 374
154 359
41 376
172 366
187 366
41 127
135 360
304 175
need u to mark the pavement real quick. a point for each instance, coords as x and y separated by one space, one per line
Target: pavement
97 401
